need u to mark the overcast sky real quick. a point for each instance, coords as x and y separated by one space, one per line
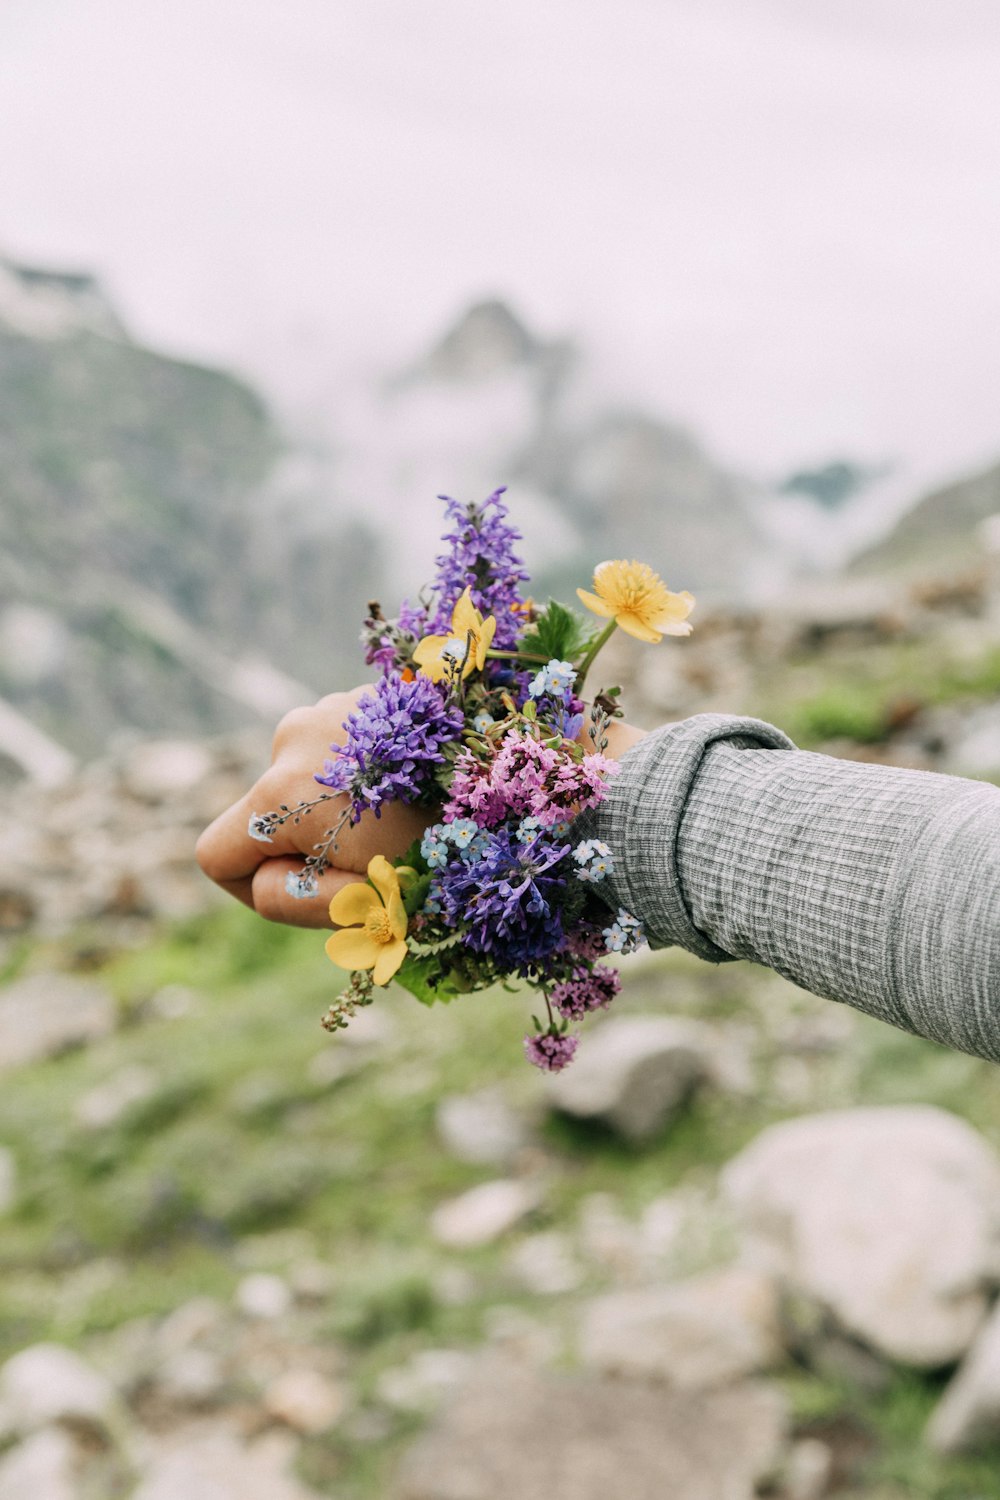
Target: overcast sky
778 220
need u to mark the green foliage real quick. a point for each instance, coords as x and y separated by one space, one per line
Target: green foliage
840 714
557 634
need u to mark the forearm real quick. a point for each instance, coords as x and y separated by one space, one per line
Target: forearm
868 884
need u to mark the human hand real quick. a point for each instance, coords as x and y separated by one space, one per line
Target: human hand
254 872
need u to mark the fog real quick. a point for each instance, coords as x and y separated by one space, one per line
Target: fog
774 221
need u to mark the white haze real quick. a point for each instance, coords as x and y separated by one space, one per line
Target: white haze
775 220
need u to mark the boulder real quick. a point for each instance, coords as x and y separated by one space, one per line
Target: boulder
43 1467
887 1218
484 1213
633 1073
968 1414
211 1464
304 1400
262 1295
546 1436
45 1014
8 1179
706 1331
48 1383
480 1128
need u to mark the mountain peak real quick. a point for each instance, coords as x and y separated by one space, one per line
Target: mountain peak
486 339
48 304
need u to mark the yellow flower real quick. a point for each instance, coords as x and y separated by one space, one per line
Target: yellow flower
468 629
373 923
638 600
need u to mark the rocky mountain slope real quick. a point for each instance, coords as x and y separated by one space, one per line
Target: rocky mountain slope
955 525
147 575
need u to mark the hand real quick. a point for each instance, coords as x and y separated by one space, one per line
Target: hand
255 873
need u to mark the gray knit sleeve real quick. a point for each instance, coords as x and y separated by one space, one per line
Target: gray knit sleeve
868 884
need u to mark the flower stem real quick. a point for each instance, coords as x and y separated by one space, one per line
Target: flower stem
514 656
588 660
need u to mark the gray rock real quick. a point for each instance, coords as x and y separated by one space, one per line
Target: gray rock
706 1331
8 1179
48 1383
46 1014
211 1464
191 1378
305 1400
161 769
261 1295
888 1219
633 1073
968 1414
423 1382
107 1102
545 1264
43 1467
807 1471
481 1128
559 1437
484 1213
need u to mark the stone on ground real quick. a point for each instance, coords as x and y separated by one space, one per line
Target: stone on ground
706 1331
8 1179
484 1213
633 1073
481 1128
48 1383
43 1467
887 1218
968 1414
560 1437
45 1014
211 1464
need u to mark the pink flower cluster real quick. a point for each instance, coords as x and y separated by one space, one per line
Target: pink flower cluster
585 990
527 779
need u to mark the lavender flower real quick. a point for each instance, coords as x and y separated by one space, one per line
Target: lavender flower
394 744
550 1051
481 557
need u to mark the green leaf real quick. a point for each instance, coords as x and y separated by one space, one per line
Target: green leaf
426 980
557 634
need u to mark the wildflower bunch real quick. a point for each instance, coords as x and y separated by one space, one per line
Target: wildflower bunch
478 715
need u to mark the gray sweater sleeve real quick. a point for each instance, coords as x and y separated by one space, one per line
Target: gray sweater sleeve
868 884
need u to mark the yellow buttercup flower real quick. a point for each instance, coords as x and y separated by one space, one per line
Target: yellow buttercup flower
638 600
468 629
373 923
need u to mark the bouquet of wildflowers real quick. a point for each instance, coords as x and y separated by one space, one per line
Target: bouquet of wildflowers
478 714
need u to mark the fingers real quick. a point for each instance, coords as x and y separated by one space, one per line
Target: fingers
270 899
227 853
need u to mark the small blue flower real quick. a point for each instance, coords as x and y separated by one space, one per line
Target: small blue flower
527 829
482 721
461 832
302 884
556 679
595 860
625 934
258 827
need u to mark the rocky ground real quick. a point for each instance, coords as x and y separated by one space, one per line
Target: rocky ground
749 1244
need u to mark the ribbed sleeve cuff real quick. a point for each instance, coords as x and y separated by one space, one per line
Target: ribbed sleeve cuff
641 817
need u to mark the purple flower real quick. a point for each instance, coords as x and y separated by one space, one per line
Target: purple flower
481 557
394 740
550 1051
585 989
508 903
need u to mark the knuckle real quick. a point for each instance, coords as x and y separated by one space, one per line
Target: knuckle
293 723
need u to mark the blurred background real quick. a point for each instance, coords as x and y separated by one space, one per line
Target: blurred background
712 285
